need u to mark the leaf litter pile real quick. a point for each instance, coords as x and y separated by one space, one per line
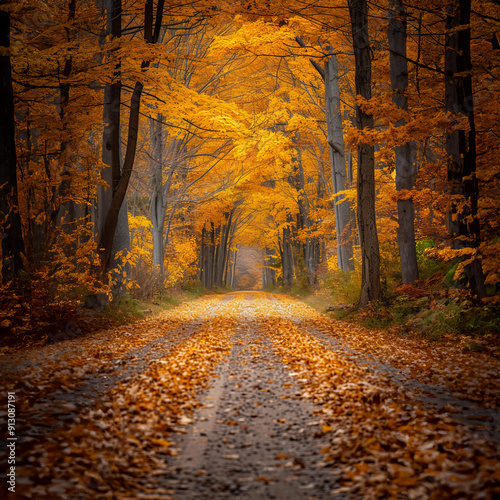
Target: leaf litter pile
96 416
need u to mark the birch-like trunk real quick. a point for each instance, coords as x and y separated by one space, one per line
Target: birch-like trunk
157 202
335 137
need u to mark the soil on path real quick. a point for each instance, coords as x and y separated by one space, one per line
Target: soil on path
254 437
247 396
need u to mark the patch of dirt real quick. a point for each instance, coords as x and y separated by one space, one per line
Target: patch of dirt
253 438
250 396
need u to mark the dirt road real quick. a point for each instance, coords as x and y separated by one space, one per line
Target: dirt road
252 396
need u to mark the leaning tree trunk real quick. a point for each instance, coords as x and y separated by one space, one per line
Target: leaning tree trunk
12 240
117 209
335 137
110 224
367 227
119 240
405 169
463 222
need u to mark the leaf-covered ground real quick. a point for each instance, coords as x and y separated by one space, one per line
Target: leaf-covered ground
252 395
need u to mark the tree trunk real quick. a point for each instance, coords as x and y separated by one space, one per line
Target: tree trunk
405 170
335 138
121 177
157 203
111 173
268 270
210 258
202 254
233 266
463 222
287 257
223 249
108 233
66 209
367 227
12 237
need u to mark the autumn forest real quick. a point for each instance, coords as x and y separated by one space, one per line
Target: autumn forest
250 249
144 145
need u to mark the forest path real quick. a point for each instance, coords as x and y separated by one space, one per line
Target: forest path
251 395
254 436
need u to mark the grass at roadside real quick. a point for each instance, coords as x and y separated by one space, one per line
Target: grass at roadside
34 320
442 318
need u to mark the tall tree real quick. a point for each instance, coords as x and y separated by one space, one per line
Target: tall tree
405 169
335 139
121 174
111 137
463 221
157 205
367 227
342 206
65 207
12 238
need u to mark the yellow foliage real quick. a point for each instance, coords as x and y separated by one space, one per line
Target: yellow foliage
182 253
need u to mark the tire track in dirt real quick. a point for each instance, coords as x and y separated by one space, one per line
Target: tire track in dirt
386 443
437 398
61 379
257 435
63 405
253 438
129 405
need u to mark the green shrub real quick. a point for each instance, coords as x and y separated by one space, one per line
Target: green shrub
376 322
343 314
124 309
473 347
443 318
194 288
449 319
427 267
345 286
401 308
485 320
422 245
171 300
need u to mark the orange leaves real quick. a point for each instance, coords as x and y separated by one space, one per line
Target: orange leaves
377 435
160 442
384 439
120 436
326 428
412 291
265 479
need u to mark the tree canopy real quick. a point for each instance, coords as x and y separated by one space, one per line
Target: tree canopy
279 126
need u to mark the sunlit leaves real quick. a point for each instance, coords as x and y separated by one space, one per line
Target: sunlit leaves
119 438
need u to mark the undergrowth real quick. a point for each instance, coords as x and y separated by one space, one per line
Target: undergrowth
434 308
